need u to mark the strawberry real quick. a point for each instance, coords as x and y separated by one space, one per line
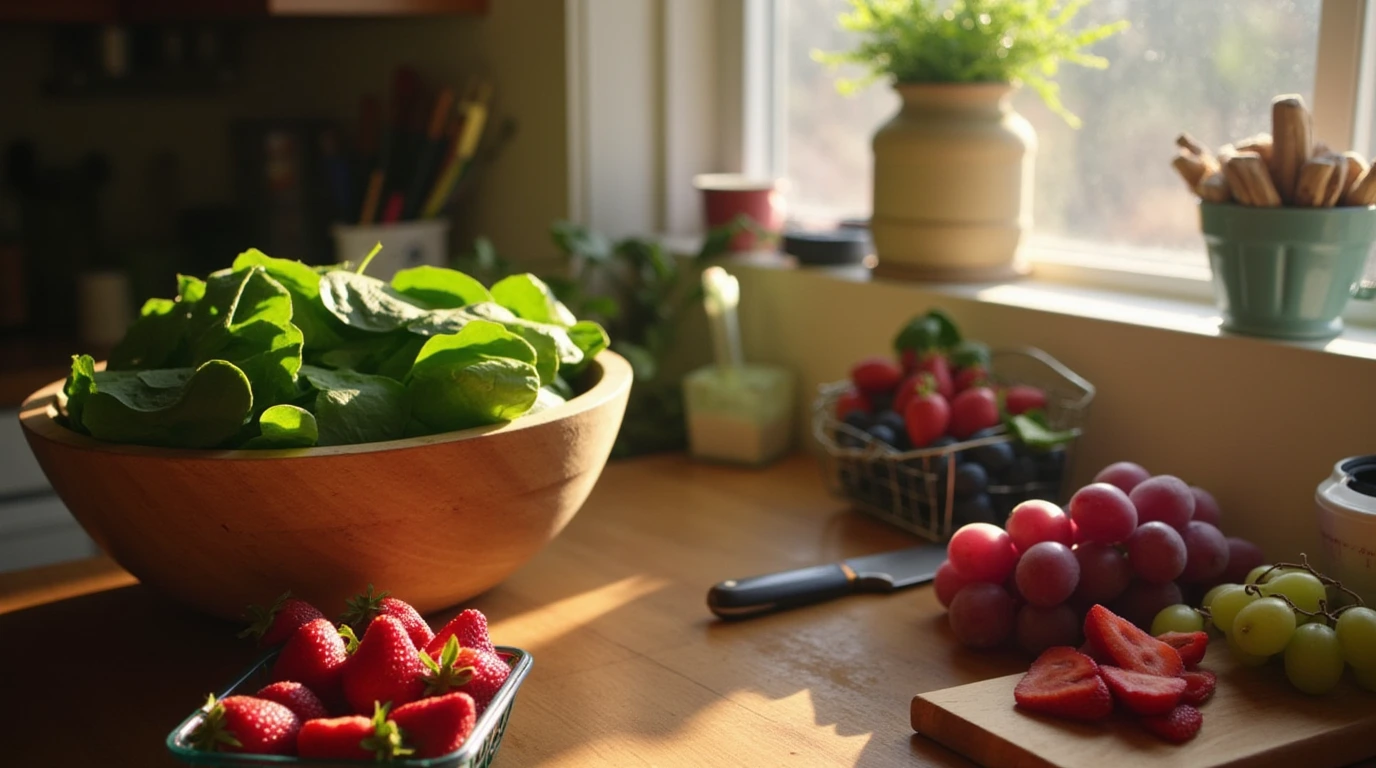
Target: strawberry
246 724
970 376
1178 726
386 668
1093 652
1142 693
876 375
1199 686
1128 646
850 401
437 725
926 415
1021 398
1064 683
355 737
470 627
1190 645
274 624
907 390
972 410
939 367
296 697
363 608
478 673
314 656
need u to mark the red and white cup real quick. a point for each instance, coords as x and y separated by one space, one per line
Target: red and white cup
725 196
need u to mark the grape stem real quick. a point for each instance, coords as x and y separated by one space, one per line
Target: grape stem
1303 565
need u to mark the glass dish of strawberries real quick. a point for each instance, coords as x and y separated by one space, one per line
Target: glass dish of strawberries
379 685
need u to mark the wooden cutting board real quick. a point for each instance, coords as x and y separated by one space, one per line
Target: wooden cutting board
1255 719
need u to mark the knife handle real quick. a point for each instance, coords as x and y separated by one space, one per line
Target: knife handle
743 598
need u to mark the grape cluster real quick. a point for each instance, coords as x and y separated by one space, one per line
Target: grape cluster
1286 611
1129 541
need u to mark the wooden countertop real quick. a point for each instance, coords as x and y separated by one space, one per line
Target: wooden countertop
630 668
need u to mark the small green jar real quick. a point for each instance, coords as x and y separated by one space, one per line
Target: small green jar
1286 273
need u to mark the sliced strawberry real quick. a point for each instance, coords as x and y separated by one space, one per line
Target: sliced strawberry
1064 683
1178 726
1128 646
1199 686
1143 693
1094 652
1190 645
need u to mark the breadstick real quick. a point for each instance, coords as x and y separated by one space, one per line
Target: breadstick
1249 182
1190 168
1356 166
1333 192
1260 144
1214 188
1292 140
1311 190
1364 193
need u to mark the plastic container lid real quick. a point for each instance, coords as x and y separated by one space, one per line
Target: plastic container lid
1352 486
847 245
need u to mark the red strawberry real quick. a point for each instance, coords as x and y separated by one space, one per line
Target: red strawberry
365 607
1142 693
970 376
355 737
246 724
972 410
907 390
274 624
1021 398
470 627
1190 645
1199 686
386 668
939 367
314 656
437 725
296 697
1128 646
1090 650
1178 726
1064 683
926 415
489 672
875 375
849 401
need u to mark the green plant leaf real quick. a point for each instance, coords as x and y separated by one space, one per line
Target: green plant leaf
156 339
934 330
529 297
553 344
439 288
246 318
355 407
81 384
970 352
207 410
483 374
303 284
579 241
285 426
1033 430
545 400
366 303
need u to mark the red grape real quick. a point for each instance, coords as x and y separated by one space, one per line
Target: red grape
1142 601
1206 550
1165 498
1047 574
1125 475
1104 573
1042 628
1104 513
948 583
1206 508
1156 552
982 615
982 552
1035 521
1243 556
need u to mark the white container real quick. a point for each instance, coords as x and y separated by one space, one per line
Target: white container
405 244
1347 524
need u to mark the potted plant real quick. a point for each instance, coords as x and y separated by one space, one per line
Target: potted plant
953 169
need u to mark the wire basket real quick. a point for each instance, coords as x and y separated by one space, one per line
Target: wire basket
924 491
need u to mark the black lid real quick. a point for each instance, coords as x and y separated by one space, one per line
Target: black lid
847 245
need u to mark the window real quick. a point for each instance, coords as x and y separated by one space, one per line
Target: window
1210 68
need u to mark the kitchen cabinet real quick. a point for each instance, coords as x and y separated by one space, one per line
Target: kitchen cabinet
103 11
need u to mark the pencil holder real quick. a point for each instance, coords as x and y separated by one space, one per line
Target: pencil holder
405 244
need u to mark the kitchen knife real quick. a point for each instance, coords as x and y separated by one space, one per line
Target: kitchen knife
884 572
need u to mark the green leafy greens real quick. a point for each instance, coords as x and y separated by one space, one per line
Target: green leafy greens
275 354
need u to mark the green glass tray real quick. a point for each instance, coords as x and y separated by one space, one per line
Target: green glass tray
476 752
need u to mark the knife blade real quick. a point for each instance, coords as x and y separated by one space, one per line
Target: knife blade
883 572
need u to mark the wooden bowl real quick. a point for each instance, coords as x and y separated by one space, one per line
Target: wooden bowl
435 519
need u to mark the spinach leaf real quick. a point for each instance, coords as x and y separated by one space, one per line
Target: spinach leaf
590 338
303 284
81 384
366 303
208 408
545 400
529 297
553 345
155 339
245 319
370 352
285 426
483 374
356 407
439 288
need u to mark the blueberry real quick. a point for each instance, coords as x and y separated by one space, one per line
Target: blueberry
892 420
977 509
996 457
986 432
971 480
942 442
858 419
883 433
1022 472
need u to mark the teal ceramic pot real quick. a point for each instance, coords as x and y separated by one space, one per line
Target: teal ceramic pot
1286 272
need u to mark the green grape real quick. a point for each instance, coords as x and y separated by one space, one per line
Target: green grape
1177 618
1357 636
1226 604
1313 660
1244 658
1212 593
1263 627
1256 572
1303 589
1366 678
